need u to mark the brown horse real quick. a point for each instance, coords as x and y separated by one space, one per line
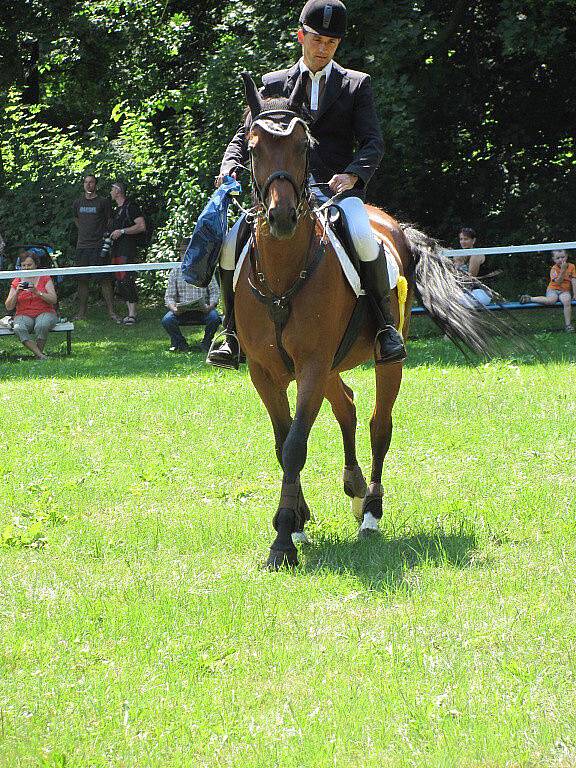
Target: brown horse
293 305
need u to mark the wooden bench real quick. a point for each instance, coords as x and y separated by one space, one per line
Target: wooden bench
509 305
66 328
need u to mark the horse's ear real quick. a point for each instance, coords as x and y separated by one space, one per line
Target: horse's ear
252 96
297 97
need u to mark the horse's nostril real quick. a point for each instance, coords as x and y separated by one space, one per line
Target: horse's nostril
293 216
271 215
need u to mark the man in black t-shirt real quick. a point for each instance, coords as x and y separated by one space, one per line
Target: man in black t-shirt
127 223
91 214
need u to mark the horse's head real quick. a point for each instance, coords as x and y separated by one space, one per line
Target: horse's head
279 144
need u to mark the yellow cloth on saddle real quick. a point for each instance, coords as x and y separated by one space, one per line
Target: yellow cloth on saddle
402 290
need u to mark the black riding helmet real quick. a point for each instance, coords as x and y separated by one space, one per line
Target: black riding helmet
324 17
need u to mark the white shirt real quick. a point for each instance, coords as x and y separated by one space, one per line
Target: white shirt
315 78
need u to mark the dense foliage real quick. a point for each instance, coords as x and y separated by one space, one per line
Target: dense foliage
475 100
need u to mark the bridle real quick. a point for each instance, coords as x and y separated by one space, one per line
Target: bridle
281 122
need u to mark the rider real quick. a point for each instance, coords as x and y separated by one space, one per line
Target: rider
347 150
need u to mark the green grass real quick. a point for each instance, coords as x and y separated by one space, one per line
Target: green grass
138 628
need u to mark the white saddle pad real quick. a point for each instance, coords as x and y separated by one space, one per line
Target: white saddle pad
347 267
352 274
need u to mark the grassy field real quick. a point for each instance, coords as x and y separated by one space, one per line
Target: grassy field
137 628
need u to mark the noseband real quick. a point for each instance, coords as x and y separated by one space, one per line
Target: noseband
281 122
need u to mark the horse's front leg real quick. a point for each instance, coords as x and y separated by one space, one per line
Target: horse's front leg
275 399
311 385
388 380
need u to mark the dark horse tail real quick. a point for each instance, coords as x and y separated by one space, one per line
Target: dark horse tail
445 294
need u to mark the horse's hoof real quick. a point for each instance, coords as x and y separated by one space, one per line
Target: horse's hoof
368 533
300 537
369 526
282 559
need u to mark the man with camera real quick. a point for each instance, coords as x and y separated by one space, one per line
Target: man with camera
126 224
91 214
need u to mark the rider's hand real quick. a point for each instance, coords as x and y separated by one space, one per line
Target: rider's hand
116 234
219 179
341 182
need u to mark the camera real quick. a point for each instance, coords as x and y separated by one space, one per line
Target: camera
106 246
25 284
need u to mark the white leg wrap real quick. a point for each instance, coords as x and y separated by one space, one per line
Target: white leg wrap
360 229
228 252
300 537
369 523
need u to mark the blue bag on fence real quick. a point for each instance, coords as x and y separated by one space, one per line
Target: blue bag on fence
201 257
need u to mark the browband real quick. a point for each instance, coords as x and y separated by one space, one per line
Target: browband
272 122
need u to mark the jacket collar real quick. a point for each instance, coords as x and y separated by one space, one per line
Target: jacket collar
333 87
332 90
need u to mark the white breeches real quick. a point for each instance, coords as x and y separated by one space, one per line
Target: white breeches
358 225
228 252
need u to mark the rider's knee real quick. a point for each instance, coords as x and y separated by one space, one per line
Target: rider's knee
228 252
359 228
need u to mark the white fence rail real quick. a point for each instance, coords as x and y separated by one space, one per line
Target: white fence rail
163 265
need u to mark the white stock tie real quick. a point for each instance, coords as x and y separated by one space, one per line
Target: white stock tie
315 92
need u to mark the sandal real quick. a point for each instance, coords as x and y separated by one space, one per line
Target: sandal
129 320
569 328
115 319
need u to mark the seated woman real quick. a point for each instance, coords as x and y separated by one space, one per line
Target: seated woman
35 303
470 265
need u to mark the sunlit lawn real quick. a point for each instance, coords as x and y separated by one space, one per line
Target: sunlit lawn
138 628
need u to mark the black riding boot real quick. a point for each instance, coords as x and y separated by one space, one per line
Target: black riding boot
227 355
375 281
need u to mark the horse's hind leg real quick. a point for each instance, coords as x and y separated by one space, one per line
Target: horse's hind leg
341 398
388 379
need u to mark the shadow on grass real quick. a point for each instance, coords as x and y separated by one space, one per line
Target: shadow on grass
385 564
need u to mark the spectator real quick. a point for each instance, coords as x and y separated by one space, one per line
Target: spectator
188 304
469 264
562 278
35 303
2 249
91 214
126 223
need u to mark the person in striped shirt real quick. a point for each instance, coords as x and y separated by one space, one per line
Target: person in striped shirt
189 305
